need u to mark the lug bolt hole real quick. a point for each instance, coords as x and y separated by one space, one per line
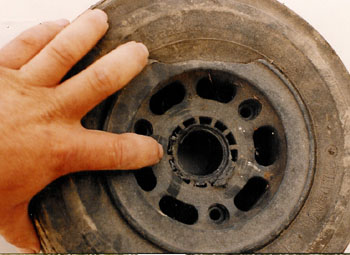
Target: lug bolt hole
249 109
215 214
218 213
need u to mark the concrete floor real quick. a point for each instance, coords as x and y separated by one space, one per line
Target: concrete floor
330 18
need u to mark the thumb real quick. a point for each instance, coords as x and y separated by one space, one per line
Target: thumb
19 230
98 150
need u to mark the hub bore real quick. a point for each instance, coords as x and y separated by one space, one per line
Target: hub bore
200 152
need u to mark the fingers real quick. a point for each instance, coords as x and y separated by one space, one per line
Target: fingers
109 74
24 47
59 56
21 232
97 150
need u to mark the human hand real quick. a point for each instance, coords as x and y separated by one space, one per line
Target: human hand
40 131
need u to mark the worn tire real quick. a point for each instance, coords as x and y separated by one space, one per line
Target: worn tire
76 214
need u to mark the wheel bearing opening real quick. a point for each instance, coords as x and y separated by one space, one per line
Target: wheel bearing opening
200 152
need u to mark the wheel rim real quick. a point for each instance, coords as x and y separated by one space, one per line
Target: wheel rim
239 155
228 31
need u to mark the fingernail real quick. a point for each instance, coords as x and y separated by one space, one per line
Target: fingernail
160 151
62 22
101 14
144 48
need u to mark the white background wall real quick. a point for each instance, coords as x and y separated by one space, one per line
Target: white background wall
330 17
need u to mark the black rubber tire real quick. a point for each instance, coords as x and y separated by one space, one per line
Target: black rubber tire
75 214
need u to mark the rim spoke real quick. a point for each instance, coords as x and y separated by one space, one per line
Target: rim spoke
247 169
264 118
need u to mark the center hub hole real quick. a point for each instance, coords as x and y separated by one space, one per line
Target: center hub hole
200 152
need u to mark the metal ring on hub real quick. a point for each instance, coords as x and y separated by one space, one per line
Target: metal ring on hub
231 163
200 153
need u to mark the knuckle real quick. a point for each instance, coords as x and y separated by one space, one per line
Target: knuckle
62 53
30 40
37 36
62 157
118 153
101 81
52 109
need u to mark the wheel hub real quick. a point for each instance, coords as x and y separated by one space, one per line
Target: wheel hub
199 152
232 150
